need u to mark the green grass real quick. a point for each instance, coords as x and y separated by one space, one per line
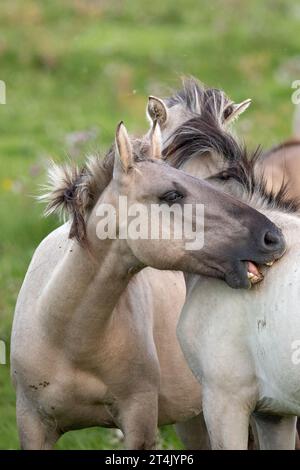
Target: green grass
72 65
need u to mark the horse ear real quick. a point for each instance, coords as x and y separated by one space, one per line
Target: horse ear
157 110
123 154
233 110
156 141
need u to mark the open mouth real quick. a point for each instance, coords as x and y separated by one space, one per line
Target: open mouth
247 273
254 273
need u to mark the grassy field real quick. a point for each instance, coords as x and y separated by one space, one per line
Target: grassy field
74 68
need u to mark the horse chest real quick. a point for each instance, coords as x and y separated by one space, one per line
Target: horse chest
72 397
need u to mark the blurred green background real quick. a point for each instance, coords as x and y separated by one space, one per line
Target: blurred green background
74 68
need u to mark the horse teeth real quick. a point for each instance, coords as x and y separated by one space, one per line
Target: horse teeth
254 279
270 263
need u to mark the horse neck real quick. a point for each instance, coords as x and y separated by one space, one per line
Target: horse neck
79 299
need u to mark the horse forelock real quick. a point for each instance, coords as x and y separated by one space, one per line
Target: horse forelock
198 99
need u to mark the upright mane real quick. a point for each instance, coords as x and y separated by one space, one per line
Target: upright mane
198 98
72 191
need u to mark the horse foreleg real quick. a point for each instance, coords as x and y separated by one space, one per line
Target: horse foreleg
193 433
275 432
253 443
227 420
297 445
138 416
34 433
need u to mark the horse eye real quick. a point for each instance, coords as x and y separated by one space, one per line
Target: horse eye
224 176
171 196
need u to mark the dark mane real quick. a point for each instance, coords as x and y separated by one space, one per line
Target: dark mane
203 134
205 131
200 135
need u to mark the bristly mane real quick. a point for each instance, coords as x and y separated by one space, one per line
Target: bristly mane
198 98
205 131
72 192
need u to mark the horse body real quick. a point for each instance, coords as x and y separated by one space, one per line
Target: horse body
275 328
137 346
241 348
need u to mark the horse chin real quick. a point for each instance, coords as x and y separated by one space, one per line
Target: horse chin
238 278
245 275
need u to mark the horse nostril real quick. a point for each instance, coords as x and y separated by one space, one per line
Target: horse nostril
273 240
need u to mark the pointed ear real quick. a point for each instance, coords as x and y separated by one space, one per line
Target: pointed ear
233 110
157 110
156 141
123 153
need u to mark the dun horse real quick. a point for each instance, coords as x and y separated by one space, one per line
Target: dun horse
243 347
75 362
